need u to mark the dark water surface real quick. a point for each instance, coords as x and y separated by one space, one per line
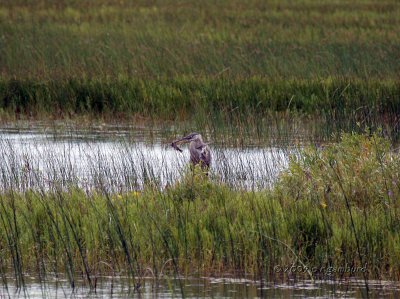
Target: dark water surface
119 287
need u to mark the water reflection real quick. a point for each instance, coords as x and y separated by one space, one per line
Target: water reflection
119 287
121 161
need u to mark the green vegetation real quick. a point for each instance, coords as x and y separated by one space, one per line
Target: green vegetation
333 207
177 98
169 59
281 39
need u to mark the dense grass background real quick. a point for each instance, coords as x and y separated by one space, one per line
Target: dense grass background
303 39
172 57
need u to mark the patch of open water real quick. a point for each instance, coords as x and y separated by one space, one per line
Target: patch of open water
123 161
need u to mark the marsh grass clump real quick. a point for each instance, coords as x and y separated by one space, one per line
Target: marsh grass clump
353 184
361 168
194 184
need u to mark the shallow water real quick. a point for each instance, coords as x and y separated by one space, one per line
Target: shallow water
124 160
205 287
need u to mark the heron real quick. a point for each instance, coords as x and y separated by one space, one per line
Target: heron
199 150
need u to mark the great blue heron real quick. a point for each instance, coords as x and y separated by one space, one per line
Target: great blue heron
199 151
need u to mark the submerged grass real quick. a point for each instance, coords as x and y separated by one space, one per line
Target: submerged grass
333 207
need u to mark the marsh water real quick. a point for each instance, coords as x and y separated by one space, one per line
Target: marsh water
204 287
124 159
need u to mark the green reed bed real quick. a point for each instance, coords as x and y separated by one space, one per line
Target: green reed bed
337 206
236 101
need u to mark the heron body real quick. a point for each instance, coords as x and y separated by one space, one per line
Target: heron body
199 151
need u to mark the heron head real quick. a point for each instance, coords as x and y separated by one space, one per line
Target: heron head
191 137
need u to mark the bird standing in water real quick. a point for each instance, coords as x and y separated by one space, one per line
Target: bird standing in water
199 151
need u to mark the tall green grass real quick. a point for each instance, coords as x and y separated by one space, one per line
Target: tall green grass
180 97
278 39
336 206
175 59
